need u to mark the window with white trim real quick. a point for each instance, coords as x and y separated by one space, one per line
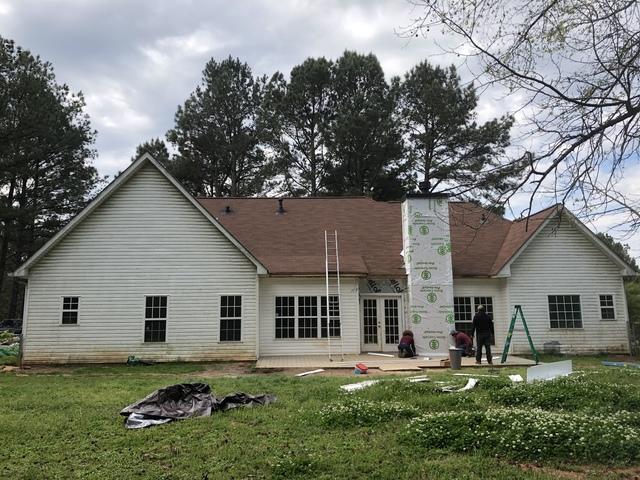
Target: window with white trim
607 308
285 317
565 311
230 318
70 307
306 317
155 319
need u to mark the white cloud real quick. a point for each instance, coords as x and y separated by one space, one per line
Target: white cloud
111 107
5 9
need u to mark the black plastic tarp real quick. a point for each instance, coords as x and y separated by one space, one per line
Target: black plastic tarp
185 400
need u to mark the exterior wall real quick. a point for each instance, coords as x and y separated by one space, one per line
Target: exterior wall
147 239
270 287
488 287
563 261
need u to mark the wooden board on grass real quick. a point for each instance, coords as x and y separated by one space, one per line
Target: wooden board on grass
394 367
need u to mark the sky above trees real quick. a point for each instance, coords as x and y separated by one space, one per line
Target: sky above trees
136 62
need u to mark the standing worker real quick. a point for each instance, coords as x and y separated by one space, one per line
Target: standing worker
483 326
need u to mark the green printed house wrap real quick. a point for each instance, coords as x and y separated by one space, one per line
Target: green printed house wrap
427 258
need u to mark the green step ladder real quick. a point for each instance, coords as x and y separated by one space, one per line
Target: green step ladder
507 343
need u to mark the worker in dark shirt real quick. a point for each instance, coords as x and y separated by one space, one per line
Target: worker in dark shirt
407 347
462 341
483 327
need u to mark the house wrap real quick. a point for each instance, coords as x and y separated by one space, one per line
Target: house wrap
147 270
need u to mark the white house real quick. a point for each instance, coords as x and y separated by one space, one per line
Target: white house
148 270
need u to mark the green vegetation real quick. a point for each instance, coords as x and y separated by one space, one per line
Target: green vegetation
64 423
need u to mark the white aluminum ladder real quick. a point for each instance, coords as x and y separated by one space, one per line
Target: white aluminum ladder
332 278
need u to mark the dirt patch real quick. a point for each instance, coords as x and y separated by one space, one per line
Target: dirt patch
579 472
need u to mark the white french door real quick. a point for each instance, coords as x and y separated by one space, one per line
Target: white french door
380 323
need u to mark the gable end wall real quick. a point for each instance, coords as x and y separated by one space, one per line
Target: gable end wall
147 239
566 262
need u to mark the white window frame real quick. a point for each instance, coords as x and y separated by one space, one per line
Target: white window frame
319 317
555 329
240 318
145 319
63 310
613 306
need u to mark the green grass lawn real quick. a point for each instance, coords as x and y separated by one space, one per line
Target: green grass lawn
65 424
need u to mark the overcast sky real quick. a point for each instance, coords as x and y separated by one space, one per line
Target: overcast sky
136 61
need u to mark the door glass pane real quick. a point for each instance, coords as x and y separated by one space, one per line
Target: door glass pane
391 323
370 320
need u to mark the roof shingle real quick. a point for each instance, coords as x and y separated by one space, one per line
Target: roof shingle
369 234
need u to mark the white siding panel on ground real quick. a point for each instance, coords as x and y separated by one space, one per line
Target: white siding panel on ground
488 287
147 239
295 286
561 260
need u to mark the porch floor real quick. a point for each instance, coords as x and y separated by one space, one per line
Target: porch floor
374 361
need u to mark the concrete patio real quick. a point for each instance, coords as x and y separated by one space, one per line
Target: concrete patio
375 361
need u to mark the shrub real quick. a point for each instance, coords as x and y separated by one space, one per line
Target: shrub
531 434
360 412
571 393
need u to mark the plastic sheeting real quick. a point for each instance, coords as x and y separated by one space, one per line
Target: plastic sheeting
186 400
427 259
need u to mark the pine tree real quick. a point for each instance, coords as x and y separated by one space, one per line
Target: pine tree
296 116
445 143
217 135
45 150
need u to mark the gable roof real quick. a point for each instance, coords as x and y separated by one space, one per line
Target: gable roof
131 170
292 243
370 234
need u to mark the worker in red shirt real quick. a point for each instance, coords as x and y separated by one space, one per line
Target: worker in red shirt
463 341
407 346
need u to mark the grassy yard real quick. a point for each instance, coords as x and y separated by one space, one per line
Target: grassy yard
64 423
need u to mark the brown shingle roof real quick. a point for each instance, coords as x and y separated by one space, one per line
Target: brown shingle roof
369 234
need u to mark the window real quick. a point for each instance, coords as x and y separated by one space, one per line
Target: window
464 309
307 317
155 323
607 310
230 318
564 311
334 316
463 314
70 310
285 317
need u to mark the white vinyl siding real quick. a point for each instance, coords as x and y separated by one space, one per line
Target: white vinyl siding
561 260
293 288
147 239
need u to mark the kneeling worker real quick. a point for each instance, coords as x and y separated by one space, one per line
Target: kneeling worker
407 347
463 341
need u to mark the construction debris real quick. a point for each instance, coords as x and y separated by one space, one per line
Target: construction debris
473 375
471 383
393 367
620 364
549 371
311 372
418 379
352 387
186 400
516 378
381 354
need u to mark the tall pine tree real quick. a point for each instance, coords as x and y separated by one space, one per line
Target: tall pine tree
296 116
217 134
365 142
445 144
45 171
